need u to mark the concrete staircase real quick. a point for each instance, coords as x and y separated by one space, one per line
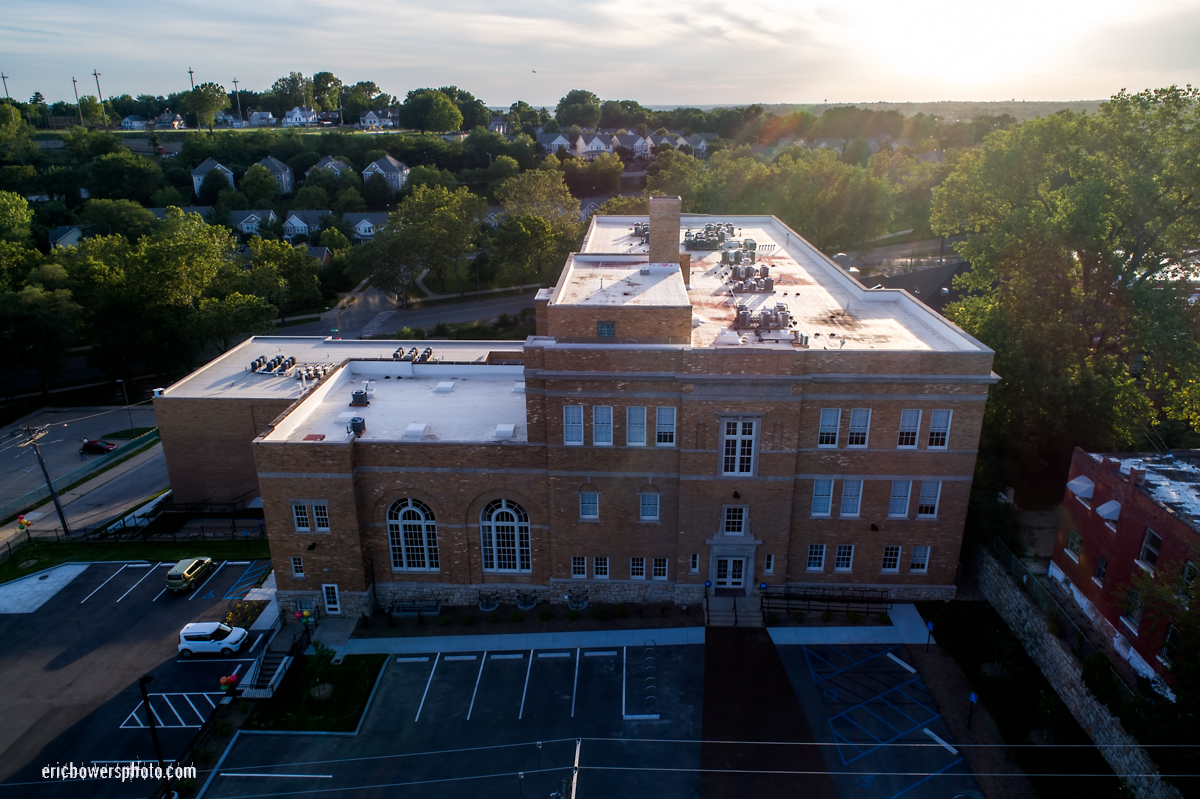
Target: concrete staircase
271 663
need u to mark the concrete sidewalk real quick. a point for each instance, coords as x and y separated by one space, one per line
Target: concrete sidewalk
564 640
907 628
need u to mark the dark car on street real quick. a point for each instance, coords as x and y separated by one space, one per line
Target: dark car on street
97 447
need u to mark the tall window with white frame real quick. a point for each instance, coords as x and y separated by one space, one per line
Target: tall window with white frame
321 516
659 569
602 425
737 449
637 568
735 520
573 425
1148 556
664 427
851 498
939 429
589 504
919 562
504 537
891 559
843 558
648 506
827 431
769 564
927 501
578 566
300 518
816 558
694 564
898 503
635 426
910 425
297 567
412 536
600 567
860 428
822 501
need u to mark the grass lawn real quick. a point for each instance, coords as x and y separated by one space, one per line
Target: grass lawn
128 433
1021 702
293 708
44 555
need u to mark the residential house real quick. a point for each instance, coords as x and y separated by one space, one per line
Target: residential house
201 171
549 143
1123 517
329 118
699 144
932 157
836 144
299 116
133 122
745 453
323 254
495 215
262 119
168 120
307 223
364 224
590 146
632 142
659 141
393 171
251 222
65 236
224 119
202 210
498 124
332 164
281 172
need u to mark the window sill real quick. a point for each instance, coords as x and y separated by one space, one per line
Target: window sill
297 576
572 443
631 577
578 576
313 532
649 521
849 516
925 518
1071 555
589 519
602 443
660 579
820 570
600 577
1129 626
827 446
1144 566
898 518
1083 502
843 571
911 570
890 571
914 446
1097 582
820 516
635 444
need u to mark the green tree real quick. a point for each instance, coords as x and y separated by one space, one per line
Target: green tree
543 193
228 320
334 239
311 198
348 201
429 109
288 92
211 187
204 102
376 191
167 195
524 245
38 323
326 88
430 176
117 218
1079 231
15 218
260 187
474 113
578 107
124 176
293 271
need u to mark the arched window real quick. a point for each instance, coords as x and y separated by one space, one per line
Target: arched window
504 531
412 533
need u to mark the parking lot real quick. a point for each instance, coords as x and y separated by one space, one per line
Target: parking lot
470 722
71 668
882 733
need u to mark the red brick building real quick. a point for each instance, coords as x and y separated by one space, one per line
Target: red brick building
1125 515
706 399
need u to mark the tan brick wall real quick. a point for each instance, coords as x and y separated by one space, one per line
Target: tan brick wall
669 325
664 229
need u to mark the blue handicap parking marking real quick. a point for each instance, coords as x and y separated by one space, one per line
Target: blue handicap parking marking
839 659
249 579
209 595
864 780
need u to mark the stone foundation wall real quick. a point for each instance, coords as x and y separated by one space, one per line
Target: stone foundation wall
1065 674
354 603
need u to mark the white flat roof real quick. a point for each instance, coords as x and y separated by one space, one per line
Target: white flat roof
229 375
420 403
827 303
621 282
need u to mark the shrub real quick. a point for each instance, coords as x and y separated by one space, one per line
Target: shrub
545 614
826 616
222 727
469 619
516 615
798 616
243 707
599 613
854 617
883 618
622 611
572 614
203 755
493 617
445 621
772 619
420 619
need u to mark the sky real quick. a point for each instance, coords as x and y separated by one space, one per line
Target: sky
685 52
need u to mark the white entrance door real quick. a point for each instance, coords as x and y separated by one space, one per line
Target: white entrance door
332 606
731 572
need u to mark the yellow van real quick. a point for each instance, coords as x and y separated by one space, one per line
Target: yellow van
185 574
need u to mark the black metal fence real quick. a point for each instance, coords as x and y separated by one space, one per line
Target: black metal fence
844 600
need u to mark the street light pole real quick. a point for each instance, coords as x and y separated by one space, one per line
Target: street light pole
34 434
127 410
191 77
100 98
78 110
143 681
238 95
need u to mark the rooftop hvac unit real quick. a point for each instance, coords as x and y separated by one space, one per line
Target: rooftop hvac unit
358 425
444 387
737 256
750 244
411 355
369 387
751 255
725 260
415 431
359 398
764 271
743 317
768 283
398 354
504 432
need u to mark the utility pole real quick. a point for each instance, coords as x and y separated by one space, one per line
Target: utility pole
100 97
11 113
142 682
78 110
34 434
238 95
191 77
127 410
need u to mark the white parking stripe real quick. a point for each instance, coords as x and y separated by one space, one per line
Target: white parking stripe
427 684
459 657
602 654
528 669
188 699
196 593
150 707
554 654
942 743
173 710
160 593
89 596
412 660
482 661
575 687
235 671
507 657
903 665
133 716
257 641
139 582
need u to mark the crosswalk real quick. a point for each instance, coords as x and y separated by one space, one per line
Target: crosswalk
373 326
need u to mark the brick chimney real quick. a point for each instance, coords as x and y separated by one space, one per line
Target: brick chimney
664 229
685 266
1136 476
